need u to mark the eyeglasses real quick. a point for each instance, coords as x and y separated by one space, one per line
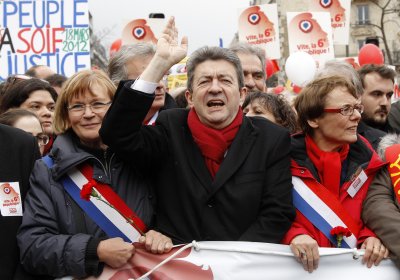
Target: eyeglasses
347 110
95 107
42 139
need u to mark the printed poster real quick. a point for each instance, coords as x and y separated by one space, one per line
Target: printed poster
142 31
52 33
259 25
10 199
177 76
340 17
311 32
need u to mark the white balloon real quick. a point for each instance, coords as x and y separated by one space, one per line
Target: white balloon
300 68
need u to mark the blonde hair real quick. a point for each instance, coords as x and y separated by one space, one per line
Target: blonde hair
76 86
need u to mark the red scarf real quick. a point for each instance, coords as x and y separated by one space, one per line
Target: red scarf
213 143
328 164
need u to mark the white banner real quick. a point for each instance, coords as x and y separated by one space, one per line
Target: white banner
247 260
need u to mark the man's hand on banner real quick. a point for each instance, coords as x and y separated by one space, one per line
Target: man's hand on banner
156 242
115 252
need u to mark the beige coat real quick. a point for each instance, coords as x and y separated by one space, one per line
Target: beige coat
381 213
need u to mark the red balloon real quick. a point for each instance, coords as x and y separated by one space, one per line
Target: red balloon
269 67
370 54
297 89
115 46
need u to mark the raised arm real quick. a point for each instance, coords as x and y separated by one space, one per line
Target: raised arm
122 126
168 53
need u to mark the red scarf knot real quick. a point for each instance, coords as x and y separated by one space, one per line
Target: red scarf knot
213 143
328 164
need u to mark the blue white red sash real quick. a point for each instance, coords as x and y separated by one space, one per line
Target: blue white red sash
323 210
153 119
110 220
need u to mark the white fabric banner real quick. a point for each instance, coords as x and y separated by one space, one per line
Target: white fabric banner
248 260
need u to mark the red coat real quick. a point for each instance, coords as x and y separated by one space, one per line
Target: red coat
360 155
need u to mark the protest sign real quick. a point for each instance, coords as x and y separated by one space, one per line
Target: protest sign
311 33
339 11
259 25
52 33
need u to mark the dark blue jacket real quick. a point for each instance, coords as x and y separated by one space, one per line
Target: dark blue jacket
56 238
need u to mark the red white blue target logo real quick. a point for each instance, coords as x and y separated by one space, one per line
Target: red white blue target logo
138 32
325 3
7 190
305 26
254 18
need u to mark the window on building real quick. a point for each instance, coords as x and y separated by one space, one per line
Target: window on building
363 14
360 43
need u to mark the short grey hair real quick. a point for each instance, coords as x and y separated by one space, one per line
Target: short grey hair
117 65
213 53
344 69
387 141
246 48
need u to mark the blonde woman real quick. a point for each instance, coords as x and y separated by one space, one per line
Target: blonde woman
60 235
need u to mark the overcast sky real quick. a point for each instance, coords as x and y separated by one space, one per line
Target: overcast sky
203 21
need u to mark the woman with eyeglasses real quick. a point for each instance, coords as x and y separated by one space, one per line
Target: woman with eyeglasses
332 167
34 95
27 121
85 206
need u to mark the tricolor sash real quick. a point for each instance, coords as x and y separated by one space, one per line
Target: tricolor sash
153 119
107 210
323 210
392 155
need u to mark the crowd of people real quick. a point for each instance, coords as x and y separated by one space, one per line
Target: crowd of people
109 159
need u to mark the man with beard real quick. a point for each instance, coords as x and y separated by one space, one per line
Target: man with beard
378 83
253 64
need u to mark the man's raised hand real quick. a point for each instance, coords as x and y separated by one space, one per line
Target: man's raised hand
168 53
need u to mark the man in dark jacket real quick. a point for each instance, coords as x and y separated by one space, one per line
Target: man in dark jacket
18 152
219 175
